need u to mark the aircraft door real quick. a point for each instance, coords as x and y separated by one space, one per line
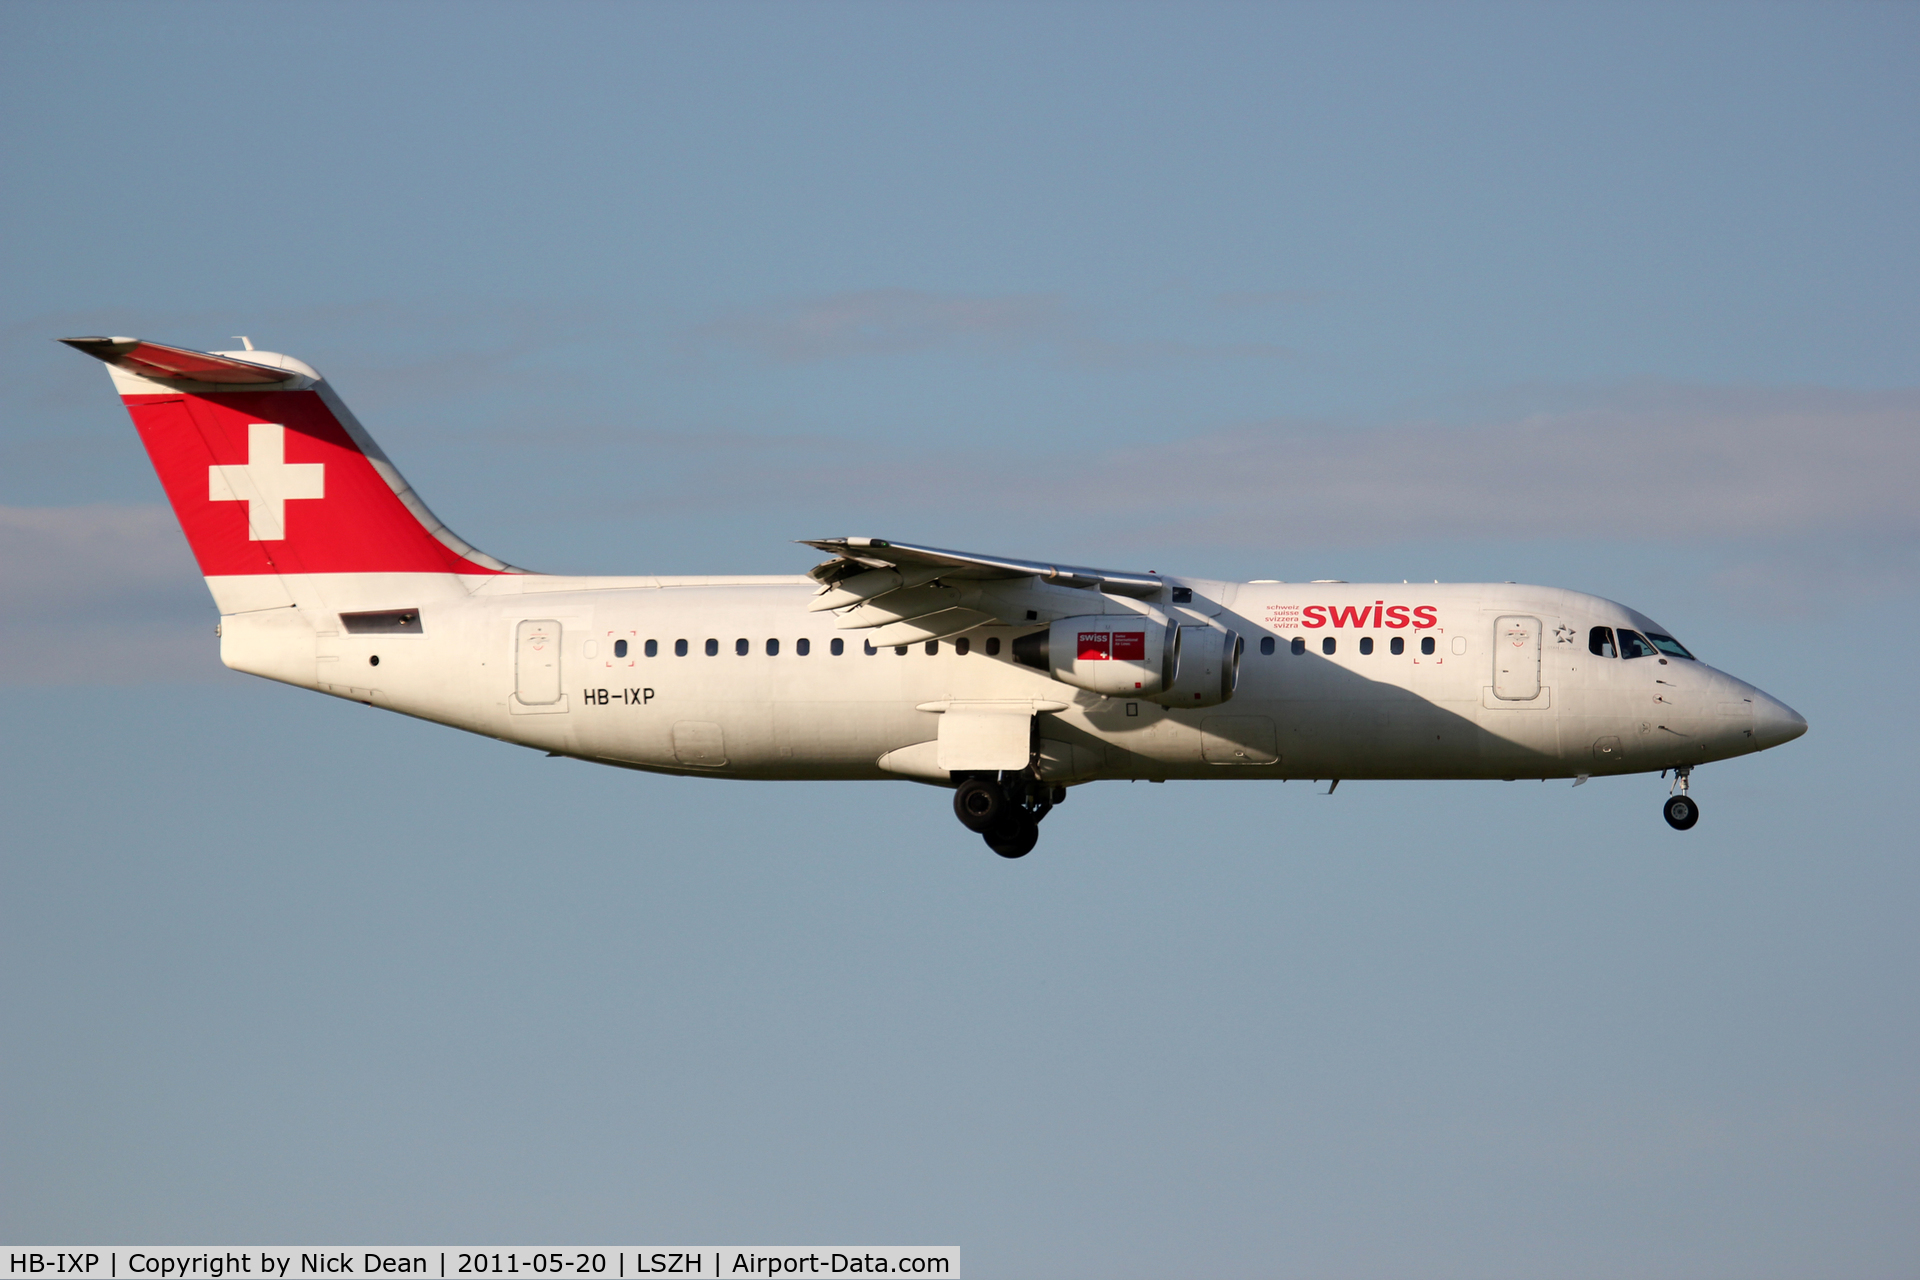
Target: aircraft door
536 662
1516 658
1238 740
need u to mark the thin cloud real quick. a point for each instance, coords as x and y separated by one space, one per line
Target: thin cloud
1773 495
1272 299
57 556
1688 464
101 595
1680 464
888 322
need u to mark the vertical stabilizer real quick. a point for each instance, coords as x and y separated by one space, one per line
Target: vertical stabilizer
283 496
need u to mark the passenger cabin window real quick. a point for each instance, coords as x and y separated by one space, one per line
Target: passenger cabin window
803 647
1669 646
993 646
866 647
713 648
900 651
1600 642
1633 644
837 647
1426 644
1299 645
1266 645
679 648
933 647
653 648
619 648
773 648
1366 644
741 646
963 646
1398 644
1326 644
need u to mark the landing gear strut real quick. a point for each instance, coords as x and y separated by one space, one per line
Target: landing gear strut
1006 811
1681 812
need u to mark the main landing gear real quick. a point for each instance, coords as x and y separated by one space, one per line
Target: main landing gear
1681 812
1007 810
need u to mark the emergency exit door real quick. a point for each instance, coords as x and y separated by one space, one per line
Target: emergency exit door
536 663
1516 659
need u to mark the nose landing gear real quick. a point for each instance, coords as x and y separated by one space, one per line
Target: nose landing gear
1680 810
1006 811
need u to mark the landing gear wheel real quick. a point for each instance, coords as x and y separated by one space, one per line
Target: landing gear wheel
979 804
1015 835
1681 812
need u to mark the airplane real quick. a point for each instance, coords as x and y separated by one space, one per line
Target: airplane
1008 681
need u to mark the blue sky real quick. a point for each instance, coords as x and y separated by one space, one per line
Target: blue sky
1620 298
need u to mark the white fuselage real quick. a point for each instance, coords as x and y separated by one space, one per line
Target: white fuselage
756 714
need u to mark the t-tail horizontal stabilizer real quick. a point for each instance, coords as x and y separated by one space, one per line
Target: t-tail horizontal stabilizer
177 364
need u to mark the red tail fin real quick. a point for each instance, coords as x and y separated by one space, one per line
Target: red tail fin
268 472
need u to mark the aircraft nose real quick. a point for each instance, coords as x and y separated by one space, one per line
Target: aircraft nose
1774 722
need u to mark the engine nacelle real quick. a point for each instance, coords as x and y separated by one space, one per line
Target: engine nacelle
1114 654
1209 669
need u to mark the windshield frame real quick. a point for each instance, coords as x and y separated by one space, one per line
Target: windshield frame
1668 645
1632 646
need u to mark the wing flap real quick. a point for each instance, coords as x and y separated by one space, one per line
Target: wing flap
901 606
934 626
867 585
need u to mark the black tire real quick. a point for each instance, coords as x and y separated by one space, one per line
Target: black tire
979 804
1681 812
1015 836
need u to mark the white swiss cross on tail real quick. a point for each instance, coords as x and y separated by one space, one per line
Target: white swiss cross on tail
266 482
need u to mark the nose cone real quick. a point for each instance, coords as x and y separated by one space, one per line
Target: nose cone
1774 722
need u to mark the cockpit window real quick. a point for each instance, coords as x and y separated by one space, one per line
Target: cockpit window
1600 642
1669 646
1633 645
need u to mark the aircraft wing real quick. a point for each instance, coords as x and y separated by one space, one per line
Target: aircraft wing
907 594
857 555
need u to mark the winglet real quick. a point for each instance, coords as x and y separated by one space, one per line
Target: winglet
152 360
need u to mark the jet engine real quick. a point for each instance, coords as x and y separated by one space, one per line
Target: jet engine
1209 669
1112 654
